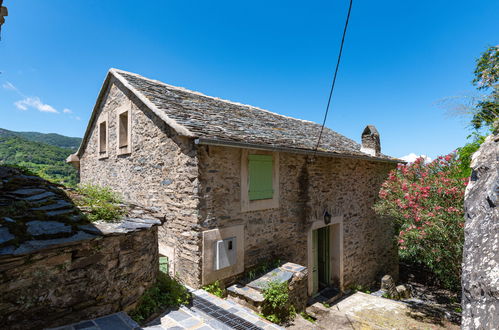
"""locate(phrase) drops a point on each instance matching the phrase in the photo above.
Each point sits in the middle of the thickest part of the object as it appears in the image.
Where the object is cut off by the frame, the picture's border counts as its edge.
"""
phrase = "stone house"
(238, 184)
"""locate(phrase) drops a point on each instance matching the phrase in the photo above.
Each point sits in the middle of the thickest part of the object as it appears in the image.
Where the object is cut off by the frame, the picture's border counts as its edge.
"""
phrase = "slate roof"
(35, 214)
(197, 115)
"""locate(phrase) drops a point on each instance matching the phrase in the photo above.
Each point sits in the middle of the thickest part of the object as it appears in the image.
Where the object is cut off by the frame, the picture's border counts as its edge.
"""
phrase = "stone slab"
(38, 228)
(5, 235)
(39, 196)
(59, 212)
(246, 292)
(54, 206)
(116, 321)
(276, 274)
(28, 191)
(34, 245)
(144, 221)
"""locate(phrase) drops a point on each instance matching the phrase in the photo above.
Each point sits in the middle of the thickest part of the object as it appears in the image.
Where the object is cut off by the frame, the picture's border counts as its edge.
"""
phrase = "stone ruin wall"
(346, 187)
(480, 277)
(78, 280)
(160, 172)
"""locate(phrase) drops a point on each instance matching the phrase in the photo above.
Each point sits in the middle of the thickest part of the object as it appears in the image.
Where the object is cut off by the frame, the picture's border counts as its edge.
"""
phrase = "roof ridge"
(208, 96)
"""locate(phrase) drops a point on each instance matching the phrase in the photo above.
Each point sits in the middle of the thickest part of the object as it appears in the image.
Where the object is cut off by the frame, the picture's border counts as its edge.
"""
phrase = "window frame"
(128, 148)
(258, 204)
(104, 119)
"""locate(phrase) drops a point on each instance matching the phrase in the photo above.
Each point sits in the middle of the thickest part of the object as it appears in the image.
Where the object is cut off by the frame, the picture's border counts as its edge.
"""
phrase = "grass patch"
(262, 268)
(167, 292)
(215, 289)
(99, 203)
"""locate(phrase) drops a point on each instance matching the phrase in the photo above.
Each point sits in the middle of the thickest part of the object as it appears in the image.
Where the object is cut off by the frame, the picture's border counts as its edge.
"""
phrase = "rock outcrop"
(480, 278)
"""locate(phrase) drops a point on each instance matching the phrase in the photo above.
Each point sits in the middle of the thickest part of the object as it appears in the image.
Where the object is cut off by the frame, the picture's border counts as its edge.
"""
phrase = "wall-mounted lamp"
(327, 217)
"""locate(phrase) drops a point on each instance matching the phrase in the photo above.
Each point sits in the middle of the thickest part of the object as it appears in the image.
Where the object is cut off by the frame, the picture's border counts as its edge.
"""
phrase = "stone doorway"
(325, 255)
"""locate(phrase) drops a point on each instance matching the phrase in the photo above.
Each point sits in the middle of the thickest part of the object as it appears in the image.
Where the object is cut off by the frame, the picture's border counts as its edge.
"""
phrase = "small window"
(103, 137)
(260, 170)
(123, 130)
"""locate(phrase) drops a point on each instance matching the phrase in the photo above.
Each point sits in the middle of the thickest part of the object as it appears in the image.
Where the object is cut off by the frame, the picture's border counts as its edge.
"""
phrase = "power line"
(335, 74)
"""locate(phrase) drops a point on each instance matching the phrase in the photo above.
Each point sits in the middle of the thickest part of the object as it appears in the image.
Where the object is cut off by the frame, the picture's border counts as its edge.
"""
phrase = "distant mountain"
(47, 138)
(46, 159)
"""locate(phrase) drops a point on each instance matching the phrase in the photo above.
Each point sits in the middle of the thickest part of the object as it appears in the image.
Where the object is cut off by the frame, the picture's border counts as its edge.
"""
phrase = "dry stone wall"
(160, 172)
(76, 280)
(344, 187)
(480, 277)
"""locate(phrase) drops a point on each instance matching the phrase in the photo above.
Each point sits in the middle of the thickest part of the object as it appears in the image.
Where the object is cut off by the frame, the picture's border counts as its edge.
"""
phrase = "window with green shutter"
(260, 177)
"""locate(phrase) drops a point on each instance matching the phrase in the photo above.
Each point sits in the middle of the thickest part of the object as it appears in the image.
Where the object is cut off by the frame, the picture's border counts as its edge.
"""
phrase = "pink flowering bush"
(426, 203)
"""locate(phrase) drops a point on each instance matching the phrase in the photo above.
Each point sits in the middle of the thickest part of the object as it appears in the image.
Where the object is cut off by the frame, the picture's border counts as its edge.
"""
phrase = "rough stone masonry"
(480, 278)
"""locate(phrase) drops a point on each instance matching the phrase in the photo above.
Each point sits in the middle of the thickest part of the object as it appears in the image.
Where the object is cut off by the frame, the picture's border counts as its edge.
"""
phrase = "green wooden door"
(323, 256)
(315, 268)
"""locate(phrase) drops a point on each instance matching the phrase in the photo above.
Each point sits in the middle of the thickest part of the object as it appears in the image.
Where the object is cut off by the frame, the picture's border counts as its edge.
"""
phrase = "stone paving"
(210, 312)
(117, 321)
(207, 312)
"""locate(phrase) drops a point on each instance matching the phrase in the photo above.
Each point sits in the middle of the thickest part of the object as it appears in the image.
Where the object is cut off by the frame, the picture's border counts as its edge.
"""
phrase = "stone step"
(246, 296)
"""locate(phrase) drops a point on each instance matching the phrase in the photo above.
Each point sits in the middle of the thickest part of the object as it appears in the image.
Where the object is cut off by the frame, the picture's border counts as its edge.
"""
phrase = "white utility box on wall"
(225, 253)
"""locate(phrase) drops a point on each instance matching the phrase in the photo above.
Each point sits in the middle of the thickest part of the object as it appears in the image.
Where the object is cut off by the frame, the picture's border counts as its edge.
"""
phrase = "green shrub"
(101, 201)
(466, 152)
(167, 292)
(215, 289)
(276, 306)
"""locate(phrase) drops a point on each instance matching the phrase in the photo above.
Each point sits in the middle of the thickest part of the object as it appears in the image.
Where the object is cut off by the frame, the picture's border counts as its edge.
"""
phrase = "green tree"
(486, 79)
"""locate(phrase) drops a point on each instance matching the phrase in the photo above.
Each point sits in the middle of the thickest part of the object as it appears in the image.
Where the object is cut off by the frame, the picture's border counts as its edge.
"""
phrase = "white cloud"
(34, 102)
(77, 118)
(66, 110)
(410, 158)
(9, 86)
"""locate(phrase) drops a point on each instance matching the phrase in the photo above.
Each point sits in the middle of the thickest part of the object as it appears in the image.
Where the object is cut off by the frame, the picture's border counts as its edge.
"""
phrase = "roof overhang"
(235, 144)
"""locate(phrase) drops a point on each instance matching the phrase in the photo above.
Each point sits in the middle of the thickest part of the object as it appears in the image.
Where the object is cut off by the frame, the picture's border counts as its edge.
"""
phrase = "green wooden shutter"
(260, 177)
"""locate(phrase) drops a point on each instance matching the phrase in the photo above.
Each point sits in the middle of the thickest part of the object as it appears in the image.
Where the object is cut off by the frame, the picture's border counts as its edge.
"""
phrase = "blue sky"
(401, 58)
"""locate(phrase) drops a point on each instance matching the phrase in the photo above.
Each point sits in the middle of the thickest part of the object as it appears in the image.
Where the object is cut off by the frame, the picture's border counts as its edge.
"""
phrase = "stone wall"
(76, 280)
(480, 277)
(344, 187)
(160, 171)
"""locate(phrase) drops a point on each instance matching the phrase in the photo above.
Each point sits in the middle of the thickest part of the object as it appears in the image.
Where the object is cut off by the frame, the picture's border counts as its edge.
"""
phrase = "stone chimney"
(370, 141)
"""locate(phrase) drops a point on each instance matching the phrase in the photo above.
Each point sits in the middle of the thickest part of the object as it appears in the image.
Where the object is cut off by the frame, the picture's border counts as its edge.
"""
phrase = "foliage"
(167, 292)
(215, 289)
(276, 306)
(101, 202)
(52, 139)
(426, 203)
(307, 317)
(359, 288)
(487, 78)
(487, 68)
(47, 161)
(466, 152)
